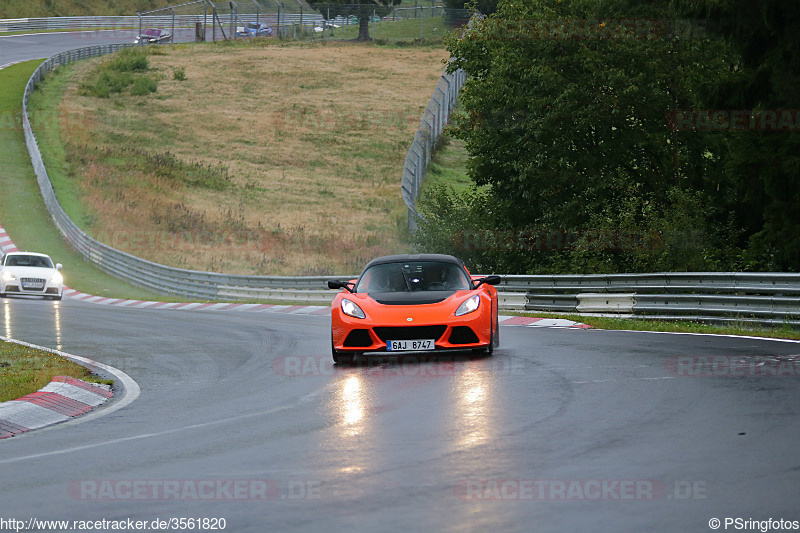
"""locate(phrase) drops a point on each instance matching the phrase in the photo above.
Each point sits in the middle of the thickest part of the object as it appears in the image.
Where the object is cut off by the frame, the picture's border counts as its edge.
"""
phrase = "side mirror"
(336, 284)
(59, 266)
(491, 280)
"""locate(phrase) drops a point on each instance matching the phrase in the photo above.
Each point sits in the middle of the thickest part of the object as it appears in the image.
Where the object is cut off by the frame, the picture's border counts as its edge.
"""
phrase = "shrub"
(144, 85)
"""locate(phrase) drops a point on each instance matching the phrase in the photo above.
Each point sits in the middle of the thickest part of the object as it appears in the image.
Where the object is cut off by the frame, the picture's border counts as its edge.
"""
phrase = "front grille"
(33, 284)
(358, 338)
(463, 335)
(409, 333)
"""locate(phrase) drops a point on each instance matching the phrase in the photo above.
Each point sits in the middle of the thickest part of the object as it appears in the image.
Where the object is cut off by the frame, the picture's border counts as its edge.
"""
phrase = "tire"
(487, 350)
(341, 358)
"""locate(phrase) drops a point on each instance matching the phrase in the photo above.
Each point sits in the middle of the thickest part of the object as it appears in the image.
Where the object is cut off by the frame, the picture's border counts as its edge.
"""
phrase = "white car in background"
(31, 274)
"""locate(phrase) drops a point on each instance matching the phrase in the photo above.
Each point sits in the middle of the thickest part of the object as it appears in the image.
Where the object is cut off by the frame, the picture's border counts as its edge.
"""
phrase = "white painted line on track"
(776, 339)
(130, 389)
(237, 418)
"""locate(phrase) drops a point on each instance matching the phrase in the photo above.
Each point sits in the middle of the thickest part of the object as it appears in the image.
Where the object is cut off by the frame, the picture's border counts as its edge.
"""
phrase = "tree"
(487, 7)
(765, 166)
(363, 10)
(564, 116)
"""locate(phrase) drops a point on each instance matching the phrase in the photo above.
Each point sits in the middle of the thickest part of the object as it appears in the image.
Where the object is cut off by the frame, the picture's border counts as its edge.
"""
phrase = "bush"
(127, 68)
(130, 60)
(144, 85)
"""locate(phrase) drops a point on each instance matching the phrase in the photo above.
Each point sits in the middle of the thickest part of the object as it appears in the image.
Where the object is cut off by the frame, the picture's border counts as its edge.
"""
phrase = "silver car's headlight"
(56, 278)
(8, 276)
(469, 305)
(350, 308)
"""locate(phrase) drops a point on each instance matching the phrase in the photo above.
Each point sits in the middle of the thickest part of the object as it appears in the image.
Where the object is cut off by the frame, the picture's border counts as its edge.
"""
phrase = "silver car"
(29, 273)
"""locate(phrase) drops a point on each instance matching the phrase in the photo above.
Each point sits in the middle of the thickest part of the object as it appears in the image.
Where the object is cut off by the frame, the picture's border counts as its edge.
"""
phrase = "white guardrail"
(434, 119)
(148, 21)
(768, 298)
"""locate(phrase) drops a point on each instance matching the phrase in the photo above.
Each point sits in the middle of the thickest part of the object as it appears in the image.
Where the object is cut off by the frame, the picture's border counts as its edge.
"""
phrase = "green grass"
(24, 370)
(448, 167)
(405, 31)
(22, 210)
(784, 331)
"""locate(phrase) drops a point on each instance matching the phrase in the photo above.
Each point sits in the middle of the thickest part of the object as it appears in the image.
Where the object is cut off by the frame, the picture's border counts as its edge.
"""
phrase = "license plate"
(411, 346)
(33, 285)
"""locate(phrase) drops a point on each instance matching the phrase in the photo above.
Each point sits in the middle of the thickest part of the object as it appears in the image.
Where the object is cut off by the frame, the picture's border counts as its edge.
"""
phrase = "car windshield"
(413, 276)
(28, 261)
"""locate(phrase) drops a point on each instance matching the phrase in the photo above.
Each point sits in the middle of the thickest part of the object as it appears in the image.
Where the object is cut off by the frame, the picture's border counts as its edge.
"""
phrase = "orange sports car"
(414, 303)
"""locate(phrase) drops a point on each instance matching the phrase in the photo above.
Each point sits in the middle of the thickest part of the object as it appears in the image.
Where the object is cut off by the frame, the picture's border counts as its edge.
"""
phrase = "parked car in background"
(153, 35)
(28, 273)
(254, 29)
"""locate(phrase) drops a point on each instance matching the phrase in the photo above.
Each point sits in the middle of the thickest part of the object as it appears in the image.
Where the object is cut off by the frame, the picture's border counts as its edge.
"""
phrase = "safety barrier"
(725, 296)
(434, 119)
(746, 297)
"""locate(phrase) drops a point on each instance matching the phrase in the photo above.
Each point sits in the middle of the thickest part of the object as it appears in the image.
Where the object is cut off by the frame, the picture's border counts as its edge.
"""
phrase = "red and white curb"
(221, 306)
(540, 322)
(13, 62)
(63, 398)
(6, 245)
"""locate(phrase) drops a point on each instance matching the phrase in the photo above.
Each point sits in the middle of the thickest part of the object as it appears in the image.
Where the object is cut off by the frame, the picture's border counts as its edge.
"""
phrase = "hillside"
(251, 158)
(68, 8)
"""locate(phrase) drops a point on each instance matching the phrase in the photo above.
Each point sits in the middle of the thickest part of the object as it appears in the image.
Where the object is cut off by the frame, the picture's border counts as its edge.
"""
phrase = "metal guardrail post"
(764, 298)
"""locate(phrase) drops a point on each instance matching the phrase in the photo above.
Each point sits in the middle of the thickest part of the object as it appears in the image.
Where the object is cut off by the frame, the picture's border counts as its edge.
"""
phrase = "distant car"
(326, 26)
(414, 303)
(253, 29)
(32, 274)
(152, 35)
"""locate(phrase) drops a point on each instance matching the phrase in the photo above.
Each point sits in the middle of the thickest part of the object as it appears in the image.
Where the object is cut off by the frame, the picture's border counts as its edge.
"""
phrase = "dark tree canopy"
(568, 117)
(363, 10)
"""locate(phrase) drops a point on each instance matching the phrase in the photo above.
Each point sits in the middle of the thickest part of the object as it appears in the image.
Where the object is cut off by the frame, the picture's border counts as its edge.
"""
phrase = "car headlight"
(350, 308)
(469, 305)
(56, 278)
(8, 276)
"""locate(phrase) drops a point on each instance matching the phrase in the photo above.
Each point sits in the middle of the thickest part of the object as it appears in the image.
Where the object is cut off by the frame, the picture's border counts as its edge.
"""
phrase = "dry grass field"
(261, 159)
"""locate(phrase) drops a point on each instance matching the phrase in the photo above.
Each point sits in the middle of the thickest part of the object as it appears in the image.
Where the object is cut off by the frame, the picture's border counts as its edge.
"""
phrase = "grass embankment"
(448, 168)
(24, 370)
(401, 31)
(72, 8)
(785, 331)
(22, 211)
(249, 158)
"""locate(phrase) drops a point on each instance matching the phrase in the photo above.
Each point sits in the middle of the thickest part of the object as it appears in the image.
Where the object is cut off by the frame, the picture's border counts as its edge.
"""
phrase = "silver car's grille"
(33, 284)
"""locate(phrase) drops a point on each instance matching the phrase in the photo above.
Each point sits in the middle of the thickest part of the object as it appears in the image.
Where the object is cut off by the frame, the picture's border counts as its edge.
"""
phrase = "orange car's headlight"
(469, 305)
(350, 308)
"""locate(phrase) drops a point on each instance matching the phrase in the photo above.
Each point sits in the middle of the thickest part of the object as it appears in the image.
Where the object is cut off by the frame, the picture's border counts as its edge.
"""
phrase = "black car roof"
(442, 258)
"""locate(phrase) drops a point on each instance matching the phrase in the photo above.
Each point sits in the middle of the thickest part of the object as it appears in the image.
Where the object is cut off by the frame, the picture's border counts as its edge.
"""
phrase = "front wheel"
(489, 349)
(341, 358)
